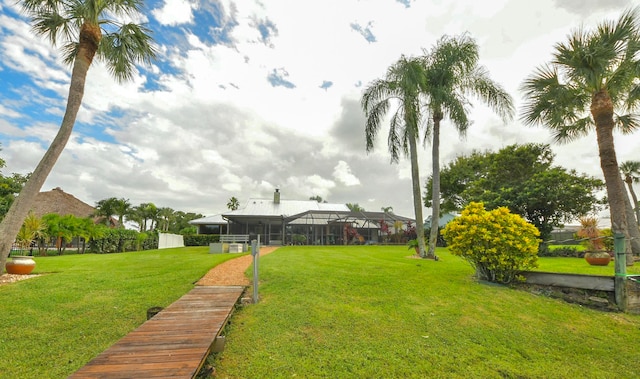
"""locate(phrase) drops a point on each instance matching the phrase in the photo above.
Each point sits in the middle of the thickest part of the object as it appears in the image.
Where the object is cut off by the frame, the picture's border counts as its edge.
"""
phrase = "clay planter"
(20, 264)
(598, 258)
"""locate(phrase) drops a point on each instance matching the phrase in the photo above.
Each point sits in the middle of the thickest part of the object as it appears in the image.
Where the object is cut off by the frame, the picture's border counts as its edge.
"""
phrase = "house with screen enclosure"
(308, 222)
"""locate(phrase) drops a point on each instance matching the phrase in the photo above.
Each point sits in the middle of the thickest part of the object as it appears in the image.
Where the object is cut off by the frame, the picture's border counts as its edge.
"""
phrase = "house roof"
(209, 220)
(285, 208)
(60, 202)
(359, 218)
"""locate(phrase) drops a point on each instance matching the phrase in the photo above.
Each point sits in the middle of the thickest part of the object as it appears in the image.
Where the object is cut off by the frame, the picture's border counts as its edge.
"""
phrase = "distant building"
(280, 221)
(62, 203)
(444, 219)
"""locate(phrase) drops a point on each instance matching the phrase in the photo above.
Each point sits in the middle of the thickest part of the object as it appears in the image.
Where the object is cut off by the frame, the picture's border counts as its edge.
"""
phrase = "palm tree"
(400, 88)
(451, 73)
(233, 203)
(165, 217)
(86, 29)
(386, 209)
(631, 172)
(590, 83)
(105, 209)
(354, 207)
(121, 208)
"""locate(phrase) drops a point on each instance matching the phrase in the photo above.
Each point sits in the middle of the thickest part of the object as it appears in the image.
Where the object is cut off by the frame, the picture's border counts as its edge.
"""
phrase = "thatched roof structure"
(62, 203)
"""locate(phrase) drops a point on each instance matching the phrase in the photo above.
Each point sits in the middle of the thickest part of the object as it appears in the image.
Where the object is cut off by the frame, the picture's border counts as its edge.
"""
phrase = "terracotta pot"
(598, 258)
(20, 264)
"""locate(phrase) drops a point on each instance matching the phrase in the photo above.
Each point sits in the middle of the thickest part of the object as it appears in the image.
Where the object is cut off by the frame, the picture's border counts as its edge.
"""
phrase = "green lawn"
(326, 312)
(371, 312)
(85, 303)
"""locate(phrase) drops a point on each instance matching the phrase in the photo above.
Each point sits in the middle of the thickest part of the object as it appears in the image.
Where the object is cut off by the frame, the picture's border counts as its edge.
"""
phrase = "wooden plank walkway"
(172, 344)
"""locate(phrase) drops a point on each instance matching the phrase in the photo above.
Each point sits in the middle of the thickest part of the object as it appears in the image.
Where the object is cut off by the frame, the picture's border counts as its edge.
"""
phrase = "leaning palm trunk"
(634, 206)
(602, 112)
(435, 189)
(632, 248)
(417, 197)
(10, 225)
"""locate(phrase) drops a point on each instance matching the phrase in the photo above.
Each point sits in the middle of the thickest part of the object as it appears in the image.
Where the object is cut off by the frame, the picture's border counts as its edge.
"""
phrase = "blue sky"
(249, 96)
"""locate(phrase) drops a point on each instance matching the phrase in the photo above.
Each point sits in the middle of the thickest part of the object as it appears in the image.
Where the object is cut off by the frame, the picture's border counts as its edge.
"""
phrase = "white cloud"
(342, 173)
(174, 12)
(205, 124)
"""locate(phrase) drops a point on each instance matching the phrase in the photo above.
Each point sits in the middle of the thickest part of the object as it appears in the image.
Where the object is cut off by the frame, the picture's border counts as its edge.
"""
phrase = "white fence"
(167, 240)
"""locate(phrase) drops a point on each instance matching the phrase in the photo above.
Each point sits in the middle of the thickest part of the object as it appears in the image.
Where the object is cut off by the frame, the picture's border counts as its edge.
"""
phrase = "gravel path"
(231, 272)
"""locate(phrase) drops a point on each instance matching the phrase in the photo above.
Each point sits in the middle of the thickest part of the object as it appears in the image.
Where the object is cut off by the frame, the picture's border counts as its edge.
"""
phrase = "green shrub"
(497, 243)
(608, 239)
(201, 239)
(562, 251)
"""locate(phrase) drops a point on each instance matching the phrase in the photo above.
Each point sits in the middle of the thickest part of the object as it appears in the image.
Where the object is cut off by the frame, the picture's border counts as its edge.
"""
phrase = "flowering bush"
(497, 243)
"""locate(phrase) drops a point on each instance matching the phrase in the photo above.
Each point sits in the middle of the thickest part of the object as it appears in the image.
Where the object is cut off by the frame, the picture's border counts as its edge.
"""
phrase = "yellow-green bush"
(497, 243)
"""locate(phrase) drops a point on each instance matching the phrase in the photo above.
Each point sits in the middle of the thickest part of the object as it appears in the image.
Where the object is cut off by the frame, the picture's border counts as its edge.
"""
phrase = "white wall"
(167, 240)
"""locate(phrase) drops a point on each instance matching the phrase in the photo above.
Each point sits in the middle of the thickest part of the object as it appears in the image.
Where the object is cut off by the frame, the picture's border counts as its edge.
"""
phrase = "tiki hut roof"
(62, 203)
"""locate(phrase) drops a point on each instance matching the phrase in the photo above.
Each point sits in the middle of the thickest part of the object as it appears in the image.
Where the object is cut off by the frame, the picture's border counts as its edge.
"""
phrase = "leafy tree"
(400, 88)
(631, 172)
(233, 203)
(523, 179)
(180, 224)
(592, 83)
(451, 74)
(318, 198)
(354, 207)
(86, 29)
(10, 186)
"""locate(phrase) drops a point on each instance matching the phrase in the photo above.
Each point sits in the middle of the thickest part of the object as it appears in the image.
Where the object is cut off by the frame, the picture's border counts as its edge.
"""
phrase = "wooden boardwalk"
(172, 344)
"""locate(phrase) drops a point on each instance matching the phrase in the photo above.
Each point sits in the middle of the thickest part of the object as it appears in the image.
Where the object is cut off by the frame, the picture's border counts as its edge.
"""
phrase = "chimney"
(276, 196)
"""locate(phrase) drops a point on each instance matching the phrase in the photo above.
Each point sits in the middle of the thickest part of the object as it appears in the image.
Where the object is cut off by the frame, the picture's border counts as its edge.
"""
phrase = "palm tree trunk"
(634, 232)
(602, 112)
(10, 225)
(435, 189)
(635, 201)
(417, 195)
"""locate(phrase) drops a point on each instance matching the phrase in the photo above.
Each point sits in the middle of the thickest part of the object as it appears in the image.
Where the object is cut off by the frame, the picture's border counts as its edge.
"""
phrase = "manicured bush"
(497, 243)
(561, 251)
(201, 239)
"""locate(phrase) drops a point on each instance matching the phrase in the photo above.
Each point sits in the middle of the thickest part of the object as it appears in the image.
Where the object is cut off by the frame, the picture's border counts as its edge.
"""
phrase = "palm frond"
(491, 93)
(571, 131)
(374, 117)
(628, 123)
(121, 50)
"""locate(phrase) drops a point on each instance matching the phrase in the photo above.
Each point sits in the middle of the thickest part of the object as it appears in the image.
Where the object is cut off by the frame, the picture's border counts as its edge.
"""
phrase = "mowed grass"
(82, 304)
(372, 312)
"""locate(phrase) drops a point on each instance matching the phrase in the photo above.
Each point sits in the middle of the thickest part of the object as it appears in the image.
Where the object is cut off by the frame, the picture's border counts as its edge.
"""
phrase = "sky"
(249, 96)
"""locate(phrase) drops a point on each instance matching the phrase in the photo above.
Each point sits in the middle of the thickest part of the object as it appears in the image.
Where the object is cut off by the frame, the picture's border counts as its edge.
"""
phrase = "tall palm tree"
(451, 74)
(354, 207)
(105, 209)
(233, 203)
(121, 208)
(631, 172)
(86, 29)
(591, 83)
(401, 89)
(165, 216)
